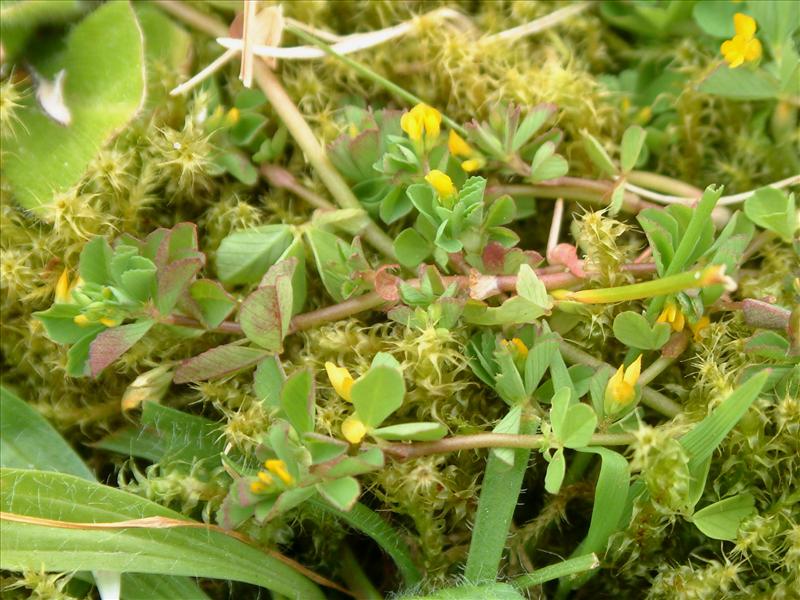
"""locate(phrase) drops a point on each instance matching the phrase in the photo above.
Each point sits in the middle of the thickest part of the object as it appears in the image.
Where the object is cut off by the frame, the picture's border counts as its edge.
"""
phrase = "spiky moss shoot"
(664, 466)
(36, 585)
(184, 161)
(11, 95)
(772, 276)
(78, 216)
(178, 486)
(230, 213)
(689, 582)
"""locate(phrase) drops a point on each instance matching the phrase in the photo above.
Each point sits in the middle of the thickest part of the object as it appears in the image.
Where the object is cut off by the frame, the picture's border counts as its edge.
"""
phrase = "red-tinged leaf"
(174, 279)
(217, 362)
(493, 257)
(209, 302)
(112, 343)
(386, 284)
(566, 255)
(265, 314)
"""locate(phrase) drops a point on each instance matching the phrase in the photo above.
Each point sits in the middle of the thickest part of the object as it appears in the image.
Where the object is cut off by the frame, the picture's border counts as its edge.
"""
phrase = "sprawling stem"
(590, 191)
(401, 451)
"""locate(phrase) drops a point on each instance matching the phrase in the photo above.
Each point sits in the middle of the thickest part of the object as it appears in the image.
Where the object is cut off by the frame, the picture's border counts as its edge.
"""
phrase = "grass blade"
(571, 566)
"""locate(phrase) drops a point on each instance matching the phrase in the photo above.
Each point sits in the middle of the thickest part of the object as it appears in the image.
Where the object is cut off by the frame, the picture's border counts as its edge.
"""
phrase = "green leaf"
(721, 520)
(265, 314)
(371, 524)
(546, 164)
(508, 381)
(701, 441)
(774, 210)
(414, 432)
(377, 394)
(579, 425)
(499, 495)
(411, 248)
(501, 211)
(211, 302)
(112, 343)
(532, 122)
(554, 476)
(632, 143)
(715, 17)
(598, 155)
(188, 551)
(777, 20)
(28, 441)
(217, 362)
(341, 493)
(329, 254)
(95, 261)
(633, 330)
(268, 381)
(530, 287)
(244, 256)
(297, 401)
(741, 84)
(488, 591)
(59, 323)
(579, 564)
(78, 356)
(103, 89)
(174, 279)
(538, 361)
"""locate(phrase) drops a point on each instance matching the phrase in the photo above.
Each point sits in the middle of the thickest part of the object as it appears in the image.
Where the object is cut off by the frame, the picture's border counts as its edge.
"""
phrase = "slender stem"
(662, 183)
(538, 25)
(281, 178)
(555, 225)
(370, 74)
(594, 192)
(196, 19)
(655, 400)
(316, 155)
(401, 451)
(669, 354)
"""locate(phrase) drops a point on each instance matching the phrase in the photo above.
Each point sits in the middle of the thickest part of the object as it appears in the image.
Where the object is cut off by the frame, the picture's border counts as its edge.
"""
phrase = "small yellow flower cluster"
(518, 350)
(266, 479)
(420, 122)
(63, 295)
(621, 388)
(441, 183)
(742, 47)
(458, 146)
(353, 429)
(674, 317)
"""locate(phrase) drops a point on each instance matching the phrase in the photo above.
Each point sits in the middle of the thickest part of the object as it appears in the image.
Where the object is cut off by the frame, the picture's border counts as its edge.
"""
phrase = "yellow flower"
(257, 487)
(672, 315)
(81, 320)
(265, 478)
(278, 467)
(516, 346)
(441, 183)
(109, 322)
(341, 380)
(353, 429)
(473, 164)
(697, 329)
(62, 287)
(742, 47)
(421, 120)
(457, 145)
(621, 388)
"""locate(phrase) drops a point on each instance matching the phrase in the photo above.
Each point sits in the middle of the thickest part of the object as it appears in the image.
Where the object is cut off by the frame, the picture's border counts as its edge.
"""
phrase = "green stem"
(370, 74)
(402, 451)
(673, 284)
(571, 566)
(655, 400)
(316, 155)
(597, 193)
(355, 578)
(662, 183)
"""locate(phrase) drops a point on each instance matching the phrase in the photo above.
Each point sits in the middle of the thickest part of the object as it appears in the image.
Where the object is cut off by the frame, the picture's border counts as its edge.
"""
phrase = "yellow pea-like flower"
(457, 145)
(257, 487)
(278, 467)
(81, 320)
(353, 429)
(517, 346)
(742, 47)
(698, 328)
(621, 388)
(62, 288)
(441, 183)
(473, 164)
(673, 316)
(340, 379)
(422, 121)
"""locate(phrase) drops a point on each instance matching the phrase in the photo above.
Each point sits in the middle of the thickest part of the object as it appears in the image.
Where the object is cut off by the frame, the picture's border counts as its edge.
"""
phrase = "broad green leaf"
(95, 261)
(244, 256)
(715, 17)
(78, 356)
(777, 20)
(501, 212)
(532, 122)
(341, 493)
(218, 362)
(598, 155)
(414, 432)
(537, 362)
(212, 303)
(579, 425)
(632, 143)
(112, 343)
(371, 524)
(28, 441)
(377, 394)
(773, 210)
(329, 254)
(741, 84)
(559, 405)
(266, 313)
(721, 520)
(174, 278)
(633, 330)
(530, 287)
(103, 89)
(508, 381)
(59, 323)
(189, 551)
(297, 401)
(411, 248)
(554, 476)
